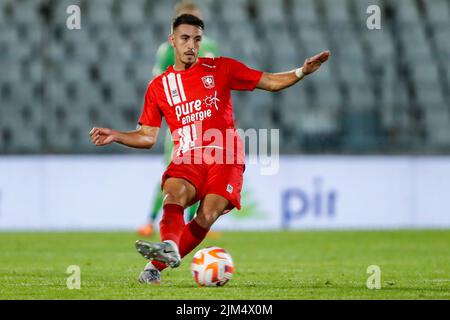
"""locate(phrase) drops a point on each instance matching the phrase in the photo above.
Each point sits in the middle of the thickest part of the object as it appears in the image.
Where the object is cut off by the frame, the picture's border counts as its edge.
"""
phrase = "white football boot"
(150, 275)
(165, 252)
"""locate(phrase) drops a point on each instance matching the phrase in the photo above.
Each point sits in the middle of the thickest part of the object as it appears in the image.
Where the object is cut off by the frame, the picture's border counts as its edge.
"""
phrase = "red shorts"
(222, 179)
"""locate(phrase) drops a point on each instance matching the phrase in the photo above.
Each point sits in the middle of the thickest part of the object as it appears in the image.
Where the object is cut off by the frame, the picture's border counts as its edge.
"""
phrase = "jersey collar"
(171, 69)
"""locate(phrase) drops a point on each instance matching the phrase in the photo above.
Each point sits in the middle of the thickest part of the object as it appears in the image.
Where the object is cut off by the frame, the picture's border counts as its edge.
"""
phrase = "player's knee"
(179, 198)
(175, 192)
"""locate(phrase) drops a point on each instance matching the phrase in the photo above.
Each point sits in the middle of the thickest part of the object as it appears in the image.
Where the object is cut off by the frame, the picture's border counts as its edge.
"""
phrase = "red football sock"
(159, 265)
(172, 223)
(192, 236)
(170, 228)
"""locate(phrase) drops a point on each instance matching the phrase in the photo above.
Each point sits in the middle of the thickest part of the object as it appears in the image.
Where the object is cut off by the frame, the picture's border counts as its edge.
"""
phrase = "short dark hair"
(188, 19)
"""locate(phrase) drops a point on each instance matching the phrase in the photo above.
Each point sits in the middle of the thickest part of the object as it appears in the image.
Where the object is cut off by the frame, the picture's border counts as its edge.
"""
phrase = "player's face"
(186, 40)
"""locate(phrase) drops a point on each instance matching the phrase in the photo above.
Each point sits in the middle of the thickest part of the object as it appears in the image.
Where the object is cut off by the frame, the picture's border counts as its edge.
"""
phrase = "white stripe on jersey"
(173, 89)
(180, 86)
(166, 90)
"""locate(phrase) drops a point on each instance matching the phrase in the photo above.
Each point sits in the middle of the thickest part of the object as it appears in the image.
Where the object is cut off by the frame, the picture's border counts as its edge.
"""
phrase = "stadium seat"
(110, 71)
(305, 12)
(406, 12)
(380, 44)
(124, 95)
(328, 97)
(290, 115)
(143, 72)
(312, 39)
(437, 11)
(387, 94)
(350, 47)
(100, 12)
(74, 44)
(215, 31)
(10, 72)
(336, 12)
(270, 11)
(446, 71)
(3, 17)
(402, 98)
(360, 98)
(29, 34)
(353, 74)
(415, 44)
(361, 130)
(132, 12)
(375, 83)
(162, 11)
(425, 73)
(318, 122)
(234, 11)
(74, 72)
(27, 12)
(294, 101)
(244, 45)
(437, 126)
(9, 42)
(284, 55)
(429, 95)
(19, 116)
(440, 36)
(145, 44)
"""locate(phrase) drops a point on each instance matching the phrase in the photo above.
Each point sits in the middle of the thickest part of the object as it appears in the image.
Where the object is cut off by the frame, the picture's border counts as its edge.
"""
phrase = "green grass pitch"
(269, 265)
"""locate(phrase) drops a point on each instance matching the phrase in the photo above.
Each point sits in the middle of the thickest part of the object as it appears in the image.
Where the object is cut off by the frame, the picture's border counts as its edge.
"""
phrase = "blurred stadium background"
(384, 92)
(364, 144)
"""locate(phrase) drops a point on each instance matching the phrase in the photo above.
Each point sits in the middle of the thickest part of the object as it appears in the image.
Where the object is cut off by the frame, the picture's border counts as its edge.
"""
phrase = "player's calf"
(211, 208)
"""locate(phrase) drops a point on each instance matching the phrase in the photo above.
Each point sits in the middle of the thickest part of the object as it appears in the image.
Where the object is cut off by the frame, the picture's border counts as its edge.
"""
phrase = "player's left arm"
(278, 81)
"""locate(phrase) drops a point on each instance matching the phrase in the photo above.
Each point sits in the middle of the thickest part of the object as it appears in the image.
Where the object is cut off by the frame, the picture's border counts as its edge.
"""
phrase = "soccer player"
(165, 57)
(194, 97)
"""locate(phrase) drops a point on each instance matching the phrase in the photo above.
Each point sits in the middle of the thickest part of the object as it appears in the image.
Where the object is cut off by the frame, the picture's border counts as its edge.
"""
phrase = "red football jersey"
(197, 106)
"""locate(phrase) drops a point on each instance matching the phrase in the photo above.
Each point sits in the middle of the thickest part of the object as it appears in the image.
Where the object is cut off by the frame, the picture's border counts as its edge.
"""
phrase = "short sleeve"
(151, 115)
(242, 77)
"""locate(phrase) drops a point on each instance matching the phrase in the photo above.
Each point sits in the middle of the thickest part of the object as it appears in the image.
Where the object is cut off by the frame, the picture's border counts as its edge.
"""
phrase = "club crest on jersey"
(208, 82)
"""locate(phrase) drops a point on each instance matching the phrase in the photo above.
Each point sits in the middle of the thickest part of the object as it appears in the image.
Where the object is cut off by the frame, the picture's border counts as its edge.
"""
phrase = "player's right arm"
(144, 137)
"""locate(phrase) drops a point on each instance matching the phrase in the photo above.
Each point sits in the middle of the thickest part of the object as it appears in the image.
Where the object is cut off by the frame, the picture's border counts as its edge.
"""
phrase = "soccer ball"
(212, 267)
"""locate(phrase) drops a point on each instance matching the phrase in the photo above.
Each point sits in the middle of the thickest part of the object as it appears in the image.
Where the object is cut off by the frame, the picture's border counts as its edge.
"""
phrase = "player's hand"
(314, 63)
(101, 136)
